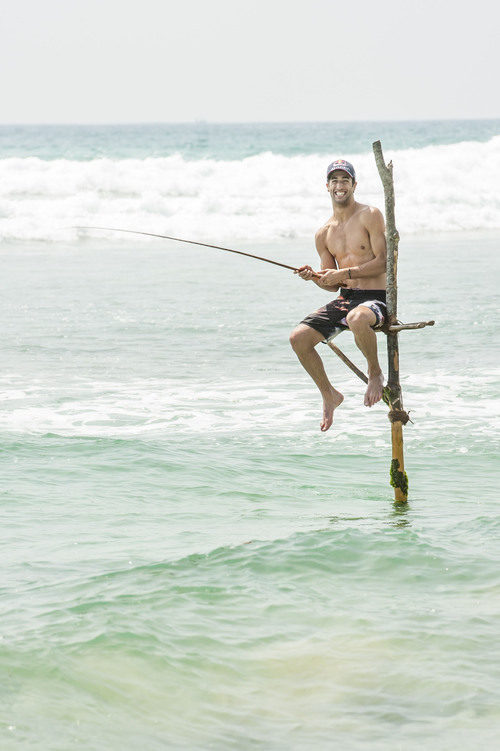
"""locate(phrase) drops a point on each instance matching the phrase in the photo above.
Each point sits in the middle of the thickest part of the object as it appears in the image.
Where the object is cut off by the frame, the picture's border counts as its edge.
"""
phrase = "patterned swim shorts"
(333, 316)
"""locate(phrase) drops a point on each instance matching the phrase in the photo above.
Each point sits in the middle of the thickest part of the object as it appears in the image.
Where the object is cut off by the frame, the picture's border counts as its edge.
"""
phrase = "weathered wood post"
(397, 415)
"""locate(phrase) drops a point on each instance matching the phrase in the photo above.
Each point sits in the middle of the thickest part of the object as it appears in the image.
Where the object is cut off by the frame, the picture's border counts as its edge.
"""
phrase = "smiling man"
(352, 249)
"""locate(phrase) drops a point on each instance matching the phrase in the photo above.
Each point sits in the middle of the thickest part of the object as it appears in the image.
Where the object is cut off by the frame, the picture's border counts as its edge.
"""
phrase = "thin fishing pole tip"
(192, 242)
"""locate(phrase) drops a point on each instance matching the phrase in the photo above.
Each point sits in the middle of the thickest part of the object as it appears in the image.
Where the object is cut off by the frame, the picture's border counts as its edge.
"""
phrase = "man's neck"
(343, 213)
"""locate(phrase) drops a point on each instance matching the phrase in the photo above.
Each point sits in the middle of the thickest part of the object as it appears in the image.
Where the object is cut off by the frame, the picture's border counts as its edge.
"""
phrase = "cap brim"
(339, 169)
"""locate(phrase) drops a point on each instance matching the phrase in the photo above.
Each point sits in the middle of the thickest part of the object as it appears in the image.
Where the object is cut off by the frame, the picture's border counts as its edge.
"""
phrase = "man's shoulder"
(323, 230)
(366, 208)
(370, 214)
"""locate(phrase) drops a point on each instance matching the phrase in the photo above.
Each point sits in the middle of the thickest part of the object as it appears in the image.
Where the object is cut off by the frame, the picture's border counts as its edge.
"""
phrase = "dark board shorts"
(333, 316)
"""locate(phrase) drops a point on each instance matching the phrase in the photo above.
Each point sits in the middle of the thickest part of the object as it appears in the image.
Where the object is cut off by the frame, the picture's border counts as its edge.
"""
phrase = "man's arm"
(373, 222)
(328, 261)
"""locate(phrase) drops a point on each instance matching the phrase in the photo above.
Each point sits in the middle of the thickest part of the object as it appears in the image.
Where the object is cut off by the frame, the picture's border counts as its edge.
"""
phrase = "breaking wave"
(268, 196)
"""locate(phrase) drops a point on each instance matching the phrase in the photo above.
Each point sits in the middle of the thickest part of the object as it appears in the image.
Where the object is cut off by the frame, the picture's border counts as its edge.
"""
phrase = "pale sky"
(98, 61)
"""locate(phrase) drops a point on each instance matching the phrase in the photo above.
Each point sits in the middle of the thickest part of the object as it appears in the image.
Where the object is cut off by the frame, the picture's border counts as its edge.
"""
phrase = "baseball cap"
(343, 165)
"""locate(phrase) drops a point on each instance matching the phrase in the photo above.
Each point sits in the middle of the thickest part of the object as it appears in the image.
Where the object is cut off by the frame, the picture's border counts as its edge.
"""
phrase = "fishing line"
(194, 242)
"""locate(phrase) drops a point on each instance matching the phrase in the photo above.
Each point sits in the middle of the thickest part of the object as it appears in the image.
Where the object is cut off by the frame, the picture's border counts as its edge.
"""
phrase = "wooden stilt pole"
(397, 415)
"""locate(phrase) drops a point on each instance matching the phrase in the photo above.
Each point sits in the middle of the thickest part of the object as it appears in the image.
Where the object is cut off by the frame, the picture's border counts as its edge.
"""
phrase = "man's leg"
(360, 320)
(304, 340)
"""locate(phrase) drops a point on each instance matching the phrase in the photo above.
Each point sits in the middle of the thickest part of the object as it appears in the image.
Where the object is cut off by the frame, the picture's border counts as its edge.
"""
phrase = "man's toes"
(326, 423)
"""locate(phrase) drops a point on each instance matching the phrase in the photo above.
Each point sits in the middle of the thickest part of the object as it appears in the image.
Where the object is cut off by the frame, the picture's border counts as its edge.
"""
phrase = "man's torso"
(349, 244)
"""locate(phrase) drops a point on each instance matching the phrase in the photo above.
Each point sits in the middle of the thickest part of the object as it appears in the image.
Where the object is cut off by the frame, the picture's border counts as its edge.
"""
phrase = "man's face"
(340, 186)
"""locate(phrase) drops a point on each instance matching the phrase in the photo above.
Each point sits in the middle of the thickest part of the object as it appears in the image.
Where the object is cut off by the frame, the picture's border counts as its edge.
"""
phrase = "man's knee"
(303, 337)
(296, 338)
(361, 318)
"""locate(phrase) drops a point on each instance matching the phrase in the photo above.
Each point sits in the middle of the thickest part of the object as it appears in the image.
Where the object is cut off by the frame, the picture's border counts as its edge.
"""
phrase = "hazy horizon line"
(203, 121)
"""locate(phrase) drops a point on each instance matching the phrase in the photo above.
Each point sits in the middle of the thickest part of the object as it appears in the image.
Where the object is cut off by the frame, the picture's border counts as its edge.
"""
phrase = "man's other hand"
(331, 278)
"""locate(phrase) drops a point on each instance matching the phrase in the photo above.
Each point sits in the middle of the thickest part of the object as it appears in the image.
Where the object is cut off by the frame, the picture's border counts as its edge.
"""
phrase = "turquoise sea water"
(204, 140)
(187, 561)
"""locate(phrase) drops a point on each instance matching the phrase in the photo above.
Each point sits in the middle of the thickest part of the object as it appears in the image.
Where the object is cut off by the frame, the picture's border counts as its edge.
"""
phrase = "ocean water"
(262, 183)
(188, 562)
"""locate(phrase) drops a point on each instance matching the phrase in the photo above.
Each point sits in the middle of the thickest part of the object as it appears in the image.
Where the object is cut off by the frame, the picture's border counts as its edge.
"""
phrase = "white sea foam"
(438, 188)
(157, 408)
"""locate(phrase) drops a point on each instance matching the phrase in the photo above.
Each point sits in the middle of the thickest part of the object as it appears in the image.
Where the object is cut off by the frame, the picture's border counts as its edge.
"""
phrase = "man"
(352, 249)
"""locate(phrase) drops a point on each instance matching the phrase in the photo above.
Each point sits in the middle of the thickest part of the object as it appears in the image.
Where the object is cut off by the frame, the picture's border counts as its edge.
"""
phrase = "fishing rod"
(194, 242)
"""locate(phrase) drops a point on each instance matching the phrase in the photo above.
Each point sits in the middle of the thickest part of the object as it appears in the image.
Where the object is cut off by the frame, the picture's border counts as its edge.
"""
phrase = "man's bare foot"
(330, 403)
(374, 390)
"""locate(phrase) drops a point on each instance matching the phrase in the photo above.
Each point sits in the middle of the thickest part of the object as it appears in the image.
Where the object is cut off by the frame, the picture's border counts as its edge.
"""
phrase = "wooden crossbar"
(385, 329)
(406, 326)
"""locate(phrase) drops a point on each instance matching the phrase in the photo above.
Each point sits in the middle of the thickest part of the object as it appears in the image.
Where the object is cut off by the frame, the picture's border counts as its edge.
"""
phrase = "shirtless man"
(352, 249)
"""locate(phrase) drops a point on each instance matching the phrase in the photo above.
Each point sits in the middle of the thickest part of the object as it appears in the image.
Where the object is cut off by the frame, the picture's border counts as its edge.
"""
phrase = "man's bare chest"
(348, 240)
